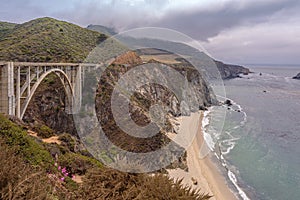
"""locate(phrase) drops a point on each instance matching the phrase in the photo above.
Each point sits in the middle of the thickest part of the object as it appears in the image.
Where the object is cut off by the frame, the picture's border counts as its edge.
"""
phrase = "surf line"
(215, 146)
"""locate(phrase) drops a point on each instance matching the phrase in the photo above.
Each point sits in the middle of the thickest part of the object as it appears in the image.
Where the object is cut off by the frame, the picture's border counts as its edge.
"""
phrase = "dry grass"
(112, 184)
(164, 58)
(19, 180)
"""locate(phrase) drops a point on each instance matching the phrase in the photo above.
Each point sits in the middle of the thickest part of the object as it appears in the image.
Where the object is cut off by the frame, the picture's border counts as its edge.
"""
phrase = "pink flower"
(62, 179)
(73, 177)
(64, 170)
(59, 167)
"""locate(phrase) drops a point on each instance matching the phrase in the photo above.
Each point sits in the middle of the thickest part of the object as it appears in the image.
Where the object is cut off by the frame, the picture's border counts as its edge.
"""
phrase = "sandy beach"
(203, 170)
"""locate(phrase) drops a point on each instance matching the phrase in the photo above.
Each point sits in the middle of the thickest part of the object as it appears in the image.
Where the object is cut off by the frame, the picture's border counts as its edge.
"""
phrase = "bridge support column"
(7, 89)
(18, 94)
(77, 90)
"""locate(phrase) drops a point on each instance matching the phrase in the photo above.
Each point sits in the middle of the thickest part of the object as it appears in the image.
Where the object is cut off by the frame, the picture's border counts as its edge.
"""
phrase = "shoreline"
(208, 176)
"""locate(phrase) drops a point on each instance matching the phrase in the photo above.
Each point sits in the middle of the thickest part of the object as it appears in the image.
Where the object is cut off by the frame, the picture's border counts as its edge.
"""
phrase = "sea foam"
(230, 143)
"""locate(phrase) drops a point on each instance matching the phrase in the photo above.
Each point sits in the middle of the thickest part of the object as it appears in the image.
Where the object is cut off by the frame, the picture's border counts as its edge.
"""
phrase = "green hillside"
(46, 40)
(6, 28)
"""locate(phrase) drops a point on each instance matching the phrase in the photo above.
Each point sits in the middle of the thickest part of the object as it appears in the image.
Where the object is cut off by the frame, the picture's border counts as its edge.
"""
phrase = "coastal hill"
(228, 71)
(297, 76)
(6, 28)
(46, 40)
(102, 29)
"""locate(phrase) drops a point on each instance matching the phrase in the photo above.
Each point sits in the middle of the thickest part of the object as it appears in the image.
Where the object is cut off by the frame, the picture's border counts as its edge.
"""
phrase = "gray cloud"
(202, 24)
(19, 11)
(198, 22)
(220, 22)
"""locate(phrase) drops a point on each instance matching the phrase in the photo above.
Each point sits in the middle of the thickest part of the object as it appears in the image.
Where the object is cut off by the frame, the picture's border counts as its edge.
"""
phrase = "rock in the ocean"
(228, 102)
(297, 76)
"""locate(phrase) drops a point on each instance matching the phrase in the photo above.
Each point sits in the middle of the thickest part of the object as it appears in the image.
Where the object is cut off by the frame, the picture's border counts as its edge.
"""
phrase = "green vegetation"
(27, 171)
(44, 131)
(32, 151)
(112, 184)
(6, 28)
(46, 40)
(78, 164)
(68, 141)
(20, 180)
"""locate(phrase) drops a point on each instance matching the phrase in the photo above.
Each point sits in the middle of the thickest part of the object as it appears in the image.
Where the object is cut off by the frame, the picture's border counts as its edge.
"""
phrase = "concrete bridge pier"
(7, 93)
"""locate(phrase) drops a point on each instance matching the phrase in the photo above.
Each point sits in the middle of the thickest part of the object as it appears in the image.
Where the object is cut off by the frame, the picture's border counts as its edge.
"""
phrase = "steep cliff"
(231, 71)
(147, 96)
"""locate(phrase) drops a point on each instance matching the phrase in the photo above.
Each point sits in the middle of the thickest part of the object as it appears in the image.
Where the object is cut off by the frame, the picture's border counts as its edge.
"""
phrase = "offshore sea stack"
(297, 76)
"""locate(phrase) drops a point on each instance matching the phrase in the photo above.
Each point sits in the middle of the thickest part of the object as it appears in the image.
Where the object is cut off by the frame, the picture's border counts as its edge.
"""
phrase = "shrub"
(68, 141)
(44, 131)
(112, 184)
(32, 151)
(19, 180)
(78, 164)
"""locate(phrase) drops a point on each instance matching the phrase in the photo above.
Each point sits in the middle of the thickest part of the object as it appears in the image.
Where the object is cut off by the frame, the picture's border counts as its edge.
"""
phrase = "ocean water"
(257, 140)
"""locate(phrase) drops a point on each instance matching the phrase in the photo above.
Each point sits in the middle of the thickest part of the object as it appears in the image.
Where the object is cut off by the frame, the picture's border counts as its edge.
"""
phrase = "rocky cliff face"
(48, 107)
(297, 76)
(148, 95)
(231, 71)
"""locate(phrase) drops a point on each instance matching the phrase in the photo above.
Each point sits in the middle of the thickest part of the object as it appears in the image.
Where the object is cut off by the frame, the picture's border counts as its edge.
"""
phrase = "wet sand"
(201, 168)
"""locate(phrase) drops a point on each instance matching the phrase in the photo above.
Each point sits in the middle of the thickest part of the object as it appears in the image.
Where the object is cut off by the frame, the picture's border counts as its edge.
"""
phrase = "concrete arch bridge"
(19, 81)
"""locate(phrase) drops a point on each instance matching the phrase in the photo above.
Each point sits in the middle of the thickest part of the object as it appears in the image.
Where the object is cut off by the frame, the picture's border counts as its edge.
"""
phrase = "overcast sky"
(235, 31)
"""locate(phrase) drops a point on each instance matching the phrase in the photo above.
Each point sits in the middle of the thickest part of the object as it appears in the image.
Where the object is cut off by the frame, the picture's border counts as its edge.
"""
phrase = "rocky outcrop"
(48, 107)
(231, 71)
(297, 76)
(128, 58)
(167, 93)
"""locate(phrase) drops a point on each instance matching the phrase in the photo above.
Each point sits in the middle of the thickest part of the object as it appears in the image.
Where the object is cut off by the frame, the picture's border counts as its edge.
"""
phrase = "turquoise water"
(260, 138)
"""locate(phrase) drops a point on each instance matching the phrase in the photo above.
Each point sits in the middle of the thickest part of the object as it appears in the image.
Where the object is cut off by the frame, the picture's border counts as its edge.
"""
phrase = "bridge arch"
(69, 90)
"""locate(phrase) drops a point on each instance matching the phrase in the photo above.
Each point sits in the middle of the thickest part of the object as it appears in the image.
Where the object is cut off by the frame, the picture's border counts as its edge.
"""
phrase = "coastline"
(209, 178)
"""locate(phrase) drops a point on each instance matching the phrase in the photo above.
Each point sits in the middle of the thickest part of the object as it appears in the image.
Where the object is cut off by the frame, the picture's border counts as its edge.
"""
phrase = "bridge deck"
(37, 64)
